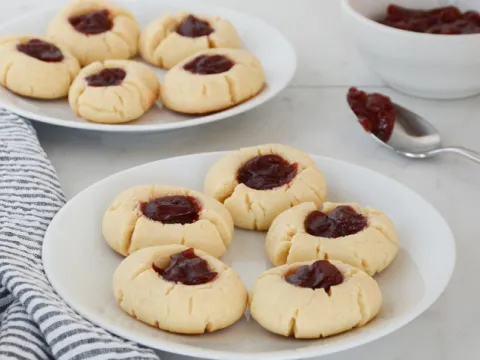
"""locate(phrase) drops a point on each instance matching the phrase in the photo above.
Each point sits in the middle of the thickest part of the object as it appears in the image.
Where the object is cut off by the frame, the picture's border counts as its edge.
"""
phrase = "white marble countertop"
(312, 115)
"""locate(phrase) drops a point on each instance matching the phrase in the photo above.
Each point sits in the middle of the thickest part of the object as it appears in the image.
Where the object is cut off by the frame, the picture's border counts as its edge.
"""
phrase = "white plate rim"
(299, 353)
(131, 127)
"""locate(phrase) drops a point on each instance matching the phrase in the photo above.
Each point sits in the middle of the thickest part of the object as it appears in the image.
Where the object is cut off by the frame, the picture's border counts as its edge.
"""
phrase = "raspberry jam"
(187, 268)
(193, 27)
(447, 20)
(320, 275)
(209, 64)
(41, 50)
(106, 77)
(375, 112)
(93, 23)
(266, 172)
(176, 209)
(342, 221)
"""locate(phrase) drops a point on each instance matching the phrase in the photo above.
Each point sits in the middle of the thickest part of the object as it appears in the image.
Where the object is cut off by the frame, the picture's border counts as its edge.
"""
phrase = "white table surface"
(312, 115)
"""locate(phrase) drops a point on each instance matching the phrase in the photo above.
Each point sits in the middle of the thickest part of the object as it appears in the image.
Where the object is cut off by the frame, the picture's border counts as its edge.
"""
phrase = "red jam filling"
(447, 20)
(193, 27)
(41, 50)
(342, 221)
(187, 268)
(106, 77)
(93, 23)
(320, 275)
(209, 64)
(175, 209)
(375, 112)
(266, 172)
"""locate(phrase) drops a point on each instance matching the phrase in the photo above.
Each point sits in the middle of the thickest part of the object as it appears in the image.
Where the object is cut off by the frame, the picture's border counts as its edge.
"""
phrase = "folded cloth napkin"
(35, 323)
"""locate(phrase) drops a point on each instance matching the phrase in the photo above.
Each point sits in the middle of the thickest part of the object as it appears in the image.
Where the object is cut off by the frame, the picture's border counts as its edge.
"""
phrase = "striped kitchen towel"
(34, 321)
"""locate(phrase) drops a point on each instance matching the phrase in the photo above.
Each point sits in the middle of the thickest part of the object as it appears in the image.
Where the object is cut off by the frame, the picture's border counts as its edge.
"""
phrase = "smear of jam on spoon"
(375, 112)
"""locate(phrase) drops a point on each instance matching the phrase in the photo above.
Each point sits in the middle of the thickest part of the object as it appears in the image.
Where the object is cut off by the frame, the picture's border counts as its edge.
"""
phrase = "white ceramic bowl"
(424, 65)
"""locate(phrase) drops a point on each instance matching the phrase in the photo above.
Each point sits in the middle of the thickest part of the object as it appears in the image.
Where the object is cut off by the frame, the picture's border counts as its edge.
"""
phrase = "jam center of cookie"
(321, 274)
(375, 112)
(342, 221)
(41, 50)
(266, 172)
(209, 64)
(193, 27)
(106, 77)
(176, 209)
(187, 268)
(93, 23)
(447, 20)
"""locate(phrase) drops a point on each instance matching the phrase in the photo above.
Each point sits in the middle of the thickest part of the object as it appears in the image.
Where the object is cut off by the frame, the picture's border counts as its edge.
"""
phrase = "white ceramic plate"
(274, 51)
(80, 265)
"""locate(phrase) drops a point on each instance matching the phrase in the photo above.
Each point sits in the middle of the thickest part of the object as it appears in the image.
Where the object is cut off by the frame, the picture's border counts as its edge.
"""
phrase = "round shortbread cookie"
(172, 38)
(368, 241)
(142, 291)
(153, 215)
(95, 30)
(212, 80)
(36, 67)
(258, 183)
(314, 312)
(115, 91)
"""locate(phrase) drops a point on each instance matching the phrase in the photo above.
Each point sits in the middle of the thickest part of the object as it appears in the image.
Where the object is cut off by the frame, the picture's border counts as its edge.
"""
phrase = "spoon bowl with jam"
(399, 128)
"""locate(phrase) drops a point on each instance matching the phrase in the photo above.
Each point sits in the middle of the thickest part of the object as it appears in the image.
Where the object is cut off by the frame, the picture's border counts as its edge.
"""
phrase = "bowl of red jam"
(419, 47)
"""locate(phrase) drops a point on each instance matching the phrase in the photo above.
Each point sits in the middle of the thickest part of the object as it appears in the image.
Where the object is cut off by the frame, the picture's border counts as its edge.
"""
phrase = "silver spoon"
(415, 137)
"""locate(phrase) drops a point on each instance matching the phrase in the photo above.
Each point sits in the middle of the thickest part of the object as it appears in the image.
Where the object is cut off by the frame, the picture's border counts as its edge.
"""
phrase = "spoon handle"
(470, 154)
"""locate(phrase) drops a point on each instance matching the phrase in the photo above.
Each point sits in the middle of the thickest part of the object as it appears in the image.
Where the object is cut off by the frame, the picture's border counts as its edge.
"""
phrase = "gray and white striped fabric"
(34, 321)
